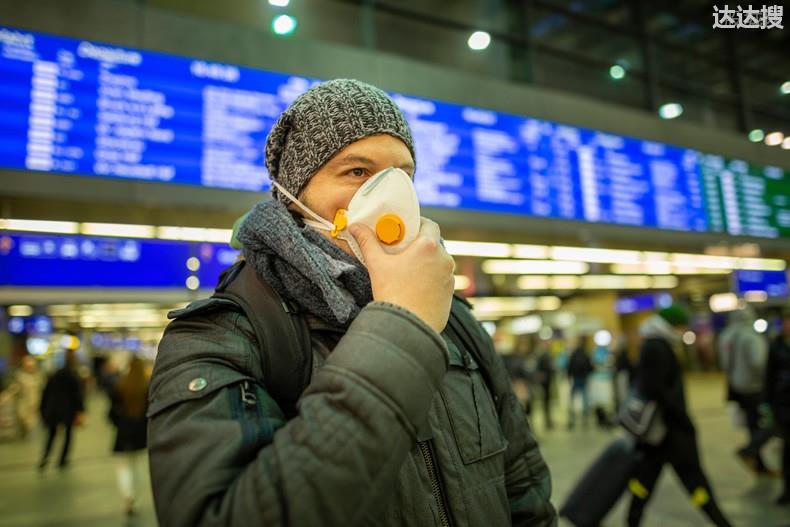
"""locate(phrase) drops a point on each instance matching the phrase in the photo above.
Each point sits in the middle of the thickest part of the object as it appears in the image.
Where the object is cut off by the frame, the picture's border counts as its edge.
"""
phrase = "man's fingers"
(366, 239)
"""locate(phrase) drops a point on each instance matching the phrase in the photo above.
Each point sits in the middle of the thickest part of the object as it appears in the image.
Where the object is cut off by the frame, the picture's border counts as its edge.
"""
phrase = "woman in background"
(128, 415)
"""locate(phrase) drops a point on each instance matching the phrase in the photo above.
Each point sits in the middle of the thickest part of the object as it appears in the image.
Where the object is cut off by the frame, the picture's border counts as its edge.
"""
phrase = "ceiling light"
(761, 264)
(602, 338)
(283, 25)
(479, 40)
(461, 282)
(565, 283)
(59, 227)
(617, 72)
(194, 234)
(670, 110)
(760, 325)
(774, 138)
(534, 267)
(689, 338)
(756, 135)
(530, 251)
(534, 283)
(652, 268)
(20, 311)
(755, 296)
(723, 302)
(122, 230)
(279, 3)
(482, 249)
(665, 282)
(784, 89)
(584, 254)
(525, 325)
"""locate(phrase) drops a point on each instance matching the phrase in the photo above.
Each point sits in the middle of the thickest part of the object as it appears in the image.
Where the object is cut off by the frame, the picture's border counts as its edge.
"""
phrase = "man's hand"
(419, 279)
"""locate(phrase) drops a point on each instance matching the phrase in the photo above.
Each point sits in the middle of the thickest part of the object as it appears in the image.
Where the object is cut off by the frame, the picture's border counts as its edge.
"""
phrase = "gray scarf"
(304, 266)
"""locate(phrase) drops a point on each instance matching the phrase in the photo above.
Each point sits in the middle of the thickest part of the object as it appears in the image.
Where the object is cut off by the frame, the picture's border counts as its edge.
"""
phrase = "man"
(62, 404)
(397, 426)
(777, 389)
(579, 369)
(659, 378)
(743, 354)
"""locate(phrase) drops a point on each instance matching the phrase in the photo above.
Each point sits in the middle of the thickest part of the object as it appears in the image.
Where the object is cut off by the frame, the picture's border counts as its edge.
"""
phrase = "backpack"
(284, 337)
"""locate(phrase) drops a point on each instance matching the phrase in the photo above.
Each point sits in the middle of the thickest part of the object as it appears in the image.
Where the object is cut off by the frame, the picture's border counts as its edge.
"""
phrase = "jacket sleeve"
(217, 461)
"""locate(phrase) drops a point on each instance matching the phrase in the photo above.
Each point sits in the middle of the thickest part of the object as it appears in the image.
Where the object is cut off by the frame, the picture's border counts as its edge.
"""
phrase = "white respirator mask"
(386, 202)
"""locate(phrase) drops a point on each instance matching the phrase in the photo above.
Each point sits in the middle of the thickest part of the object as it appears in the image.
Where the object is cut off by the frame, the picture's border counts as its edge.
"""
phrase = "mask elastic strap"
(327, 224)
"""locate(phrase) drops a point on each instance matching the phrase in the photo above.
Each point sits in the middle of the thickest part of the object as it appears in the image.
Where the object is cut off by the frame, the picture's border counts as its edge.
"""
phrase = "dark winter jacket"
(579, 364)
(396, 428)
(659, 377)
(62, 399)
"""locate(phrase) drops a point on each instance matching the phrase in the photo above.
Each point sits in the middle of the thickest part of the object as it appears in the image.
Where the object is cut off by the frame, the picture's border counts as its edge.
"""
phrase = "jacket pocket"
(188, 382)
(470, 408)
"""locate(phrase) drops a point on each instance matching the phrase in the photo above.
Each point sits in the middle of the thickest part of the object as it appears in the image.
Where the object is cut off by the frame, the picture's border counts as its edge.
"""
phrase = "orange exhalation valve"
(340, 222)
(390, 229)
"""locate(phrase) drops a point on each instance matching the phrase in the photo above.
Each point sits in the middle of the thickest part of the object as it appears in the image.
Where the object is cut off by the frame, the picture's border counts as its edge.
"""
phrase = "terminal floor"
(86, 495)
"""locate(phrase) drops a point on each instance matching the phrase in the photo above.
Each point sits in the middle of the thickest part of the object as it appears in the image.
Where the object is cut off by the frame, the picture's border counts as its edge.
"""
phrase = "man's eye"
(358, 172)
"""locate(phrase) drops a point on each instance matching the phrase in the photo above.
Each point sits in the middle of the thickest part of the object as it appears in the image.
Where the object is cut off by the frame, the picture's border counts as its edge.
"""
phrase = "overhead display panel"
(744, 199)
(78, 107)
(53, 260)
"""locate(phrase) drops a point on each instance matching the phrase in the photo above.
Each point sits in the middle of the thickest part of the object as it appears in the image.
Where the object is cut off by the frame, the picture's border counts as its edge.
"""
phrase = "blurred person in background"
(28, 382)
(601, 385)
(659, 378)
(623, 371)
(579, 369)
(62, 404)
(743, 354)
(777, 391)
(544, 375)
(127, 413)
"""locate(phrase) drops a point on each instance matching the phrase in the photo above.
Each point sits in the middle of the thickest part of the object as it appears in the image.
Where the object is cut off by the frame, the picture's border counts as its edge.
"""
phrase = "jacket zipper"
(436, 487)
(248, 396)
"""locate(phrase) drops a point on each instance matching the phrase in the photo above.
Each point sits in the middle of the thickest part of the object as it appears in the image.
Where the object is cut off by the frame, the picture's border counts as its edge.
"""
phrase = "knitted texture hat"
(324, 120)
(675, 315)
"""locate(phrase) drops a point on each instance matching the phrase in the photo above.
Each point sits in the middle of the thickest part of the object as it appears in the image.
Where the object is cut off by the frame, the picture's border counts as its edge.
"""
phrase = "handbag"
(642, 419)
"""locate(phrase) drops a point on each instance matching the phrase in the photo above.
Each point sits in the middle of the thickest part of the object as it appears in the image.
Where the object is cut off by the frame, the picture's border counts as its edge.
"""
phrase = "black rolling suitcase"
(601, 486)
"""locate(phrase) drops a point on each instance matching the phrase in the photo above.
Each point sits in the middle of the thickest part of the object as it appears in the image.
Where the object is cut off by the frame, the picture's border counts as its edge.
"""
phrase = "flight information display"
(746, 199)
(78, 107)
(55, 260)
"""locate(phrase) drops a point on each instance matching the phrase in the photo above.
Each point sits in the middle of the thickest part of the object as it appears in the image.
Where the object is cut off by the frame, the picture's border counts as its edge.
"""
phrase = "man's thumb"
(366, 239)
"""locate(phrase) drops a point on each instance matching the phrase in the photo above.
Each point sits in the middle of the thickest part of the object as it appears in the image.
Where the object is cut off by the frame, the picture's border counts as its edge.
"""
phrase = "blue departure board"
(78, 107)
(54, 260)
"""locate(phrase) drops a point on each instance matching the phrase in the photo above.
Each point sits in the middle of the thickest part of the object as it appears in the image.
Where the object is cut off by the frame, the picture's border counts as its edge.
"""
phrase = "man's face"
(333, 186)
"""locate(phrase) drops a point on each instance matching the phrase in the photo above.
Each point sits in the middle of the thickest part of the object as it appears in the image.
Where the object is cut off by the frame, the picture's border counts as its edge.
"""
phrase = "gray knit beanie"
(324, 120)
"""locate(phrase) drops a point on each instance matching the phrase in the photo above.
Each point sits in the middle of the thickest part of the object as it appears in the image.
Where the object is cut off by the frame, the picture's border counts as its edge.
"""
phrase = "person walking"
(579, 369)
(777, 390)
(28, 383)
(62, 405)
(545, 377)
(659, 378)
(743, 354)
(129, 403)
